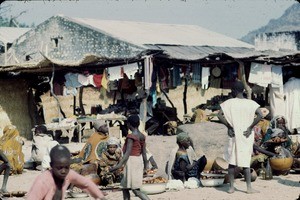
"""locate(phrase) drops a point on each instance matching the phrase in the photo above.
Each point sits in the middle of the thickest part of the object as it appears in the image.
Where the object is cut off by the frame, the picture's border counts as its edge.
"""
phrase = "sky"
(234, 18)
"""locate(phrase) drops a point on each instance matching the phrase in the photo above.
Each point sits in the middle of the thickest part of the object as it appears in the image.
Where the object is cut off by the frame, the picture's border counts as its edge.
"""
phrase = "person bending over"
(52, 184)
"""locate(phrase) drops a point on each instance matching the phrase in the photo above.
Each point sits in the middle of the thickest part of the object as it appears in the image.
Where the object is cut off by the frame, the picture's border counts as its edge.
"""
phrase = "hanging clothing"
(205, 77)
(260, 74)
(97, 78)
(240, 114)
(148, 70)
(277, 79)
(277, 102)
(176, 76)
(292, 102)
(196, 70)
(72, 80)
(104, 81)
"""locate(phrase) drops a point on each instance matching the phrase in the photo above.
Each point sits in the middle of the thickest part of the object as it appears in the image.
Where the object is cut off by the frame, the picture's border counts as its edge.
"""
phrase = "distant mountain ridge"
(289, 21)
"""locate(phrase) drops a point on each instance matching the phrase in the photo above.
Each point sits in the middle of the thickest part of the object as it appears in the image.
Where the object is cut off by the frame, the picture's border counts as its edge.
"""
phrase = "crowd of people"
(253, 139)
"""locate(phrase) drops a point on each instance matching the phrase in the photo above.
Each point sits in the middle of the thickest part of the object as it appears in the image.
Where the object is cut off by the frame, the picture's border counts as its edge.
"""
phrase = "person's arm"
(145, 158)
(3, 157)
(223, 120)
(125, 156)
(86, 185)
(258, 117)
(262, 150)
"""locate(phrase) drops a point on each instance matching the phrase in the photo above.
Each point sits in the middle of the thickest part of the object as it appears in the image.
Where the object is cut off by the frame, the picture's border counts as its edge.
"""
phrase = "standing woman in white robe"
(238, 115)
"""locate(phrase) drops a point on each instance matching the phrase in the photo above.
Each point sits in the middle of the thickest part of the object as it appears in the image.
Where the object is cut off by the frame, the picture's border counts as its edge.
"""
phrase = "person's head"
(237, 88)
(281, 122)
(183, 140)
(133, 122)
(60, 157)
(101, 126)
(112, 144)
(40, 129)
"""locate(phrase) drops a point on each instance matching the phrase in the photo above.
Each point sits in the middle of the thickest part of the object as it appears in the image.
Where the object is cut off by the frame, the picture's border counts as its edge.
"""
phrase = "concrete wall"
(276, 41)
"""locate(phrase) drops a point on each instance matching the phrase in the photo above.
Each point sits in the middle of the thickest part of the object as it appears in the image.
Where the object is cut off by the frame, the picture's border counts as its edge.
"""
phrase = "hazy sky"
(233, 18)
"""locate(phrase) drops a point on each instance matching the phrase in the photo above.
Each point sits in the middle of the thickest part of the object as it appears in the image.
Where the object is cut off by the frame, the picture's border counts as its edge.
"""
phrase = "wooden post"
(80, 101)
(184, 95)
(244, 81)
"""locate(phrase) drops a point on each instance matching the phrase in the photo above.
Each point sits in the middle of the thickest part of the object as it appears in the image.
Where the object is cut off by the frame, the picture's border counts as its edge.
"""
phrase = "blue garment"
(72, 80)
(192, 173)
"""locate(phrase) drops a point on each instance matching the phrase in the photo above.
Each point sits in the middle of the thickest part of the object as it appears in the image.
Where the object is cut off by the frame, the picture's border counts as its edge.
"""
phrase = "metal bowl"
(212, 182)
(153, 188)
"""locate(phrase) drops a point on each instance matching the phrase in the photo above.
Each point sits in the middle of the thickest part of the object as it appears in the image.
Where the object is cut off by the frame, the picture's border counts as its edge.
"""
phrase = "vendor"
(183, 162)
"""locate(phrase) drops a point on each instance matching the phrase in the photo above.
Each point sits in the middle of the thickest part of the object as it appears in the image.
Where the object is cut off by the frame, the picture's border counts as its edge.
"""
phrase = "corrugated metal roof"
(9, 34)
(199, 52)
(141, 33)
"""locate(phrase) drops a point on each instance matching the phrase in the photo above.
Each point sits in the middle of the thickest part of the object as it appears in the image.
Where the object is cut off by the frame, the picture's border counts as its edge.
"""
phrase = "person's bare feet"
(230, 191)
(252, 191)
(2, 191)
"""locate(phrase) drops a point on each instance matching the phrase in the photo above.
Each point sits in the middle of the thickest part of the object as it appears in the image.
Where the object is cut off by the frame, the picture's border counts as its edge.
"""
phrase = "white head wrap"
(113, 141)
(97, 124)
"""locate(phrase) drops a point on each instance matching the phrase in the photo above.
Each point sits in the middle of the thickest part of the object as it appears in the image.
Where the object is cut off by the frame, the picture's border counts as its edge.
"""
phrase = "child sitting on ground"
(52, 184)
(110, 158)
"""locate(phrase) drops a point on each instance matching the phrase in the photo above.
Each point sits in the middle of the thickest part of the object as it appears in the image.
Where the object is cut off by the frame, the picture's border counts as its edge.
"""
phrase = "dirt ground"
(209, 138)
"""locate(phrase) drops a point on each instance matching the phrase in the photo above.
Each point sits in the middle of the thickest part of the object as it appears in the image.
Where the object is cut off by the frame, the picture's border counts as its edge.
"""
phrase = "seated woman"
(11, 145)
(110, 158)
(277, 135)
(183, 163)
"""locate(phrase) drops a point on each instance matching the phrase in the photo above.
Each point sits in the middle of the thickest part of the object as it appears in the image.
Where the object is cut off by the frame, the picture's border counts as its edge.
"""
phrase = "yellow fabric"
(264, 125)
(11, 145)
(94, 140)
(104, 81)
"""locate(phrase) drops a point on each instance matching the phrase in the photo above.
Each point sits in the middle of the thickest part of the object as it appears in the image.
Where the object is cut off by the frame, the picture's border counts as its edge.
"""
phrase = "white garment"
(133, 172)
(39, 146)
(84, 80)
(204, 77)
(46, 159)
(292, 102)
(277, 103)
(260, 74)
(148, 70)
(277, 80)
(240, 115)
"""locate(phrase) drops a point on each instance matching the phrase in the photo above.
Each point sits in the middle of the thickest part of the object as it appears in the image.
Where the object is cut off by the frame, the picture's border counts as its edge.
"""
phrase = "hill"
(289, 21)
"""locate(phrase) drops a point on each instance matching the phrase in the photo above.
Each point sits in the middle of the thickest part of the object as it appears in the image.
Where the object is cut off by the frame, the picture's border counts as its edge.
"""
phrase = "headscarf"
(11, 145)
(113, 141)
(97, 124)
(182, 137)
(273, 122)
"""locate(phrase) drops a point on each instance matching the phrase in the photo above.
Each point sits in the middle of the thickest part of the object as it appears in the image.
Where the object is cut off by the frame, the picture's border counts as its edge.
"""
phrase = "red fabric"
(137, 145)
(97, 78)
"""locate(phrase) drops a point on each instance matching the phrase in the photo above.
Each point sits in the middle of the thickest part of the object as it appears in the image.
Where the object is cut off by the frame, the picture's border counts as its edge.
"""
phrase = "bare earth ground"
(209, 138)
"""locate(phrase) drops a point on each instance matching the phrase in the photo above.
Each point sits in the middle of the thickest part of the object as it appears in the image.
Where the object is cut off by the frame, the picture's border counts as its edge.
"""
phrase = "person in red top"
(52, 184)
(134, 159)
